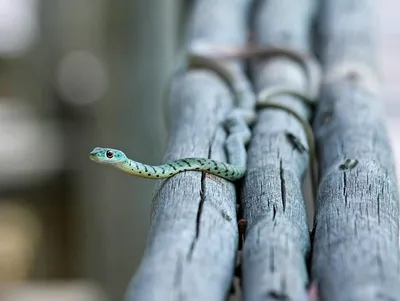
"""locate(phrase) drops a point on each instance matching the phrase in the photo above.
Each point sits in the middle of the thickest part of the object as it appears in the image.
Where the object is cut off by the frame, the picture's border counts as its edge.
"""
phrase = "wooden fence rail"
(277, 239)
(193, 239)
(356, 248)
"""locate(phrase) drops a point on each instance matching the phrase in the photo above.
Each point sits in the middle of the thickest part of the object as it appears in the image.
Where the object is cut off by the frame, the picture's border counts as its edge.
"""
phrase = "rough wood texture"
(356, 250)
(192, 243)
(277, 236)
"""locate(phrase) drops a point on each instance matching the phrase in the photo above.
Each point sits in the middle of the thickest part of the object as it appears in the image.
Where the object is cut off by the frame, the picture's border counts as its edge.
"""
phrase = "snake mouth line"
(93, 157)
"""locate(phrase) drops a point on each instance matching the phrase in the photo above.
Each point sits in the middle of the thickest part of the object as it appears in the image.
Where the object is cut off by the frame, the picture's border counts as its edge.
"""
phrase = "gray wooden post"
(192, 242)
(277, 236)
(356, 248)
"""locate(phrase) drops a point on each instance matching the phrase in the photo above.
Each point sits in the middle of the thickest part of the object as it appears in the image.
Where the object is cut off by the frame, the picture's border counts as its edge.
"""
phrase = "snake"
(237, 121)
(118, 159)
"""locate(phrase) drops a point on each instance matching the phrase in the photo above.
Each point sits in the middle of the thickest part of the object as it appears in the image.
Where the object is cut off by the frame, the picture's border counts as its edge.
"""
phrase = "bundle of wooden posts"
(352, 252)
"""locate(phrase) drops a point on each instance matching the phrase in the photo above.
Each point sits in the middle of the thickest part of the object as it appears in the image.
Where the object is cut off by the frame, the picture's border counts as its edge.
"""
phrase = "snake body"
(237, 121)
(119, 160)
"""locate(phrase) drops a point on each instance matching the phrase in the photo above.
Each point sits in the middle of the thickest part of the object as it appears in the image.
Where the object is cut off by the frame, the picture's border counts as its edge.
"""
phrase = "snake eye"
(109, 154)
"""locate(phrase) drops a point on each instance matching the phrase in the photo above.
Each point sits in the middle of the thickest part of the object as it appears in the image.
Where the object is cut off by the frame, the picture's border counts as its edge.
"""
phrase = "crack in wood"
(201, 202)
(295, 142)
(283, 187)
(274, 295)
(198, 217)
(344, 189)
(379, 209)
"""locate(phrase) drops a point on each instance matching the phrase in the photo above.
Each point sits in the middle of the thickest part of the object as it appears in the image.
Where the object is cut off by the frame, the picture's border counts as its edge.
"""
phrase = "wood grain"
(193, 238)
(355, 251)
(277, 238)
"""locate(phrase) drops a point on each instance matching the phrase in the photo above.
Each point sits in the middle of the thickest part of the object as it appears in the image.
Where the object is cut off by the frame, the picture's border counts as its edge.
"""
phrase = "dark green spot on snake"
(186, 162)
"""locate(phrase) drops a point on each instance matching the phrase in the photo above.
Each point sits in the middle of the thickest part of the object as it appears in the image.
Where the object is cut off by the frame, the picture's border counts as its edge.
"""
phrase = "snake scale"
(237, 120)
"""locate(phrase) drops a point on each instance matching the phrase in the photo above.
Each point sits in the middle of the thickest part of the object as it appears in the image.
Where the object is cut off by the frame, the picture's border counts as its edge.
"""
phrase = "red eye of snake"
(109, 154)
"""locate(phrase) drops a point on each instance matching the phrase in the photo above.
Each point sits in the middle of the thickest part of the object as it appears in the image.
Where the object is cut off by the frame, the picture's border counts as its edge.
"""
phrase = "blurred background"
(78, 74)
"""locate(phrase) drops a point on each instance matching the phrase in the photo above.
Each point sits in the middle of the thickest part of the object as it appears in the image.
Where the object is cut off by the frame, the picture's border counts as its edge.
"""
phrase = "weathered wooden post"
(277, 237)
(356, 249)
(192, 243)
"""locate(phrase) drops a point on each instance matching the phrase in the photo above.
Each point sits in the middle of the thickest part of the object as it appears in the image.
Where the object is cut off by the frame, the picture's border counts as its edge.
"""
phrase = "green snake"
(237, 121)
(118, 159)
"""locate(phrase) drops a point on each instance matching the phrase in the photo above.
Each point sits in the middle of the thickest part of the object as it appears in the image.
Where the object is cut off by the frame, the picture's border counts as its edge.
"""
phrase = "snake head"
(107, 155)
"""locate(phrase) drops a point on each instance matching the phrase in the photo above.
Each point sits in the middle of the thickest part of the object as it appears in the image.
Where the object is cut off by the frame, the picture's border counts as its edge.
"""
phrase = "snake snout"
(94, 154)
